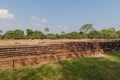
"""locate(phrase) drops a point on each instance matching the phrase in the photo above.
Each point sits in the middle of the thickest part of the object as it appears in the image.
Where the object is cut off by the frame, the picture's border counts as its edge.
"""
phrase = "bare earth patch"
(47, 41)
(98, 55)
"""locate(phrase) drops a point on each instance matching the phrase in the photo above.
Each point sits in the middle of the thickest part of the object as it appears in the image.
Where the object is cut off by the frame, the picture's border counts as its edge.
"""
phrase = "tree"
(1, 36)
(0, 32)
(51, 36)
(37, 35)
(58, 36)
(63, 32)
(29, 33)
(14, 34)
(109, 33)
(94, 34)
(73, 35)
(83, 36)
(47, 29)
(86, 28)
(18, 34)
(118, 33)
(9, 35)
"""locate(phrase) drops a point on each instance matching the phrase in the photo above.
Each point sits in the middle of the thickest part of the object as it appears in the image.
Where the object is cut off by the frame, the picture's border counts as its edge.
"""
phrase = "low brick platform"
(22, 55)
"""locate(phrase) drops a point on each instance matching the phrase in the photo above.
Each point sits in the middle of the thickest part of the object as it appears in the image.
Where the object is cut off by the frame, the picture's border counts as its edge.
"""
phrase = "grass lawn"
(99, 68)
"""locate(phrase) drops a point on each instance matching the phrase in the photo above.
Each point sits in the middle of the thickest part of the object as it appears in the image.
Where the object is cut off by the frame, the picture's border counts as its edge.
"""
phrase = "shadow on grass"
(115, 54)
(91, 69)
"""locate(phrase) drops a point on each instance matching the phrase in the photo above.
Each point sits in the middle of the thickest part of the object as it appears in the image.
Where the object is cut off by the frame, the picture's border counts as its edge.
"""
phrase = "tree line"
(86, 31)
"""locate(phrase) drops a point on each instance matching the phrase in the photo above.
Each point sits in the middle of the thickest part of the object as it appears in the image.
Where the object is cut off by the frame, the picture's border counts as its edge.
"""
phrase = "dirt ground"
(45, 41)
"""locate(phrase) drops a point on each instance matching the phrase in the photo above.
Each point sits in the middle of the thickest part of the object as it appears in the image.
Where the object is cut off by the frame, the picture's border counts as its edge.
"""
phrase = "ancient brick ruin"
(21, 55)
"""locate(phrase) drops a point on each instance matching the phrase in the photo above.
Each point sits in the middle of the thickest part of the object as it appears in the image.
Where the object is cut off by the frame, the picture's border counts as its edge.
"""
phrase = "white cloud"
(42, 20)
(38, 23)
(63, 28)
(4, 14)
(35, 19)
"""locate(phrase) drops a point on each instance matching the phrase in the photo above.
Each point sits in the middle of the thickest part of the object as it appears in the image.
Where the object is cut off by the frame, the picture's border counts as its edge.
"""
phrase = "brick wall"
(21, 55)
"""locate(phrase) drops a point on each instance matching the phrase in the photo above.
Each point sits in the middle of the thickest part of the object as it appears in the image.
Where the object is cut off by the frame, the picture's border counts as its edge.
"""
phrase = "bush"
(1, 36)
(51, 36)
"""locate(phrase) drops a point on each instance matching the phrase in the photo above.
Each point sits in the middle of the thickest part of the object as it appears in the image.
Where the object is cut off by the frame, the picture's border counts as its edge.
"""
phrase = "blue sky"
(59, 15)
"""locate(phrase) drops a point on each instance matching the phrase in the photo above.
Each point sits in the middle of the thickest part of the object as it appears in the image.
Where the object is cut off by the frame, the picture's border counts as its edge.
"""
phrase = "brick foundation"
(22, 55)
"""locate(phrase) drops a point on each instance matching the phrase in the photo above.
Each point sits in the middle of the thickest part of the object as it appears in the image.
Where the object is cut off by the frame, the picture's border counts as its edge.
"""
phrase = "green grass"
(102, 68)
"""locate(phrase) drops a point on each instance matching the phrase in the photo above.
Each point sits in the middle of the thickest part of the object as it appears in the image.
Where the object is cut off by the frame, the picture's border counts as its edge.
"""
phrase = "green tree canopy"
(118, 33)
(94, 34)
(29, 33)
(86, 28)
(51, 36)
(109, 33)
(9, 35)
(19, 34)
(37, 35)
(14, 34)
(73, 35)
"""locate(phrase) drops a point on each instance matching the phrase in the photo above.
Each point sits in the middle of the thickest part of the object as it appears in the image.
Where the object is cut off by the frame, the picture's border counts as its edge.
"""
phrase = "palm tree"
(63, 32)
(47, 29)
(0, 32)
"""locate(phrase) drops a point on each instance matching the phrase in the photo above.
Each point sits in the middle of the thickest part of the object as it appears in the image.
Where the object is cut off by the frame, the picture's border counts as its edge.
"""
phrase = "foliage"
(47, 29)
(73, 35)
(29, 33)
(9, 35)
(109, 33)
(34, 34)
(14, 34)
(58, 36)
(19, 34)
(1, 36)
(86, 31)
(37, 35)
(86, 28)
(63, 32)
(0, 32)
(51, 36)
(94, 34)
(118, 33)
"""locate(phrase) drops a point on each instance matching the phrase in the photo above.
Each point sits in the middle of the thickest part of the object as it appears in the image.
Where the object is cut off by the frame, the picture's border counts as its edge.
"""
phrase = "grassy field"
(91, 68)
